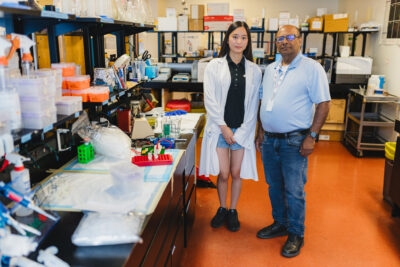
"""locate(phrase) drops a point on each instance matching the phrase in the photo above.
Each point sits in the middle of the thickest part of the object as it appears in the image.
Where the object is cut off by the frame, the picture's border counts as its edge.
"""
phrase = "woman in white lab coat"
(231, 85)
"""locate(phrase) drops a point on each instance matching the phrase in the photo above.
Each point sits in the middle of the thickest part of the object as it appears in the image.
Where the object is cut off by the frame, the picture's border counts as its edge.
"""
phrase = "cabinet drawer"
(189, 182)
(189, 214)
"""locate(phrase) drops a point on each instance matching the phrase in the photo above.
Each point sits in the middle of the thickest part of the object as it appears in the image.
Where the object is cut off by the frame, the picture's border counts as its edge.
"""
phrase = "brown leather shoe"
(271, 231)
(292, 246)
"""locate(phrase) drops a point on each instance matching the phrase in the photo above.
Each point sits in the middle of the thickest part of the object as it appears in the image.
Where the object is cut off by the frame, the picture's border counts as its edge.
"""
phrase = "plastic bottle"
(373, 84)
(20, 180)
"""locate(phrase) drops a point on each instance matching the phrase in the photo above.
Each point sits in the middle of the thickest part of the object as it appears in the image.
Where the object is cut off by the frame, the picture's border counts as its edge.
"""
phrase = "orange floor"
(347, 221)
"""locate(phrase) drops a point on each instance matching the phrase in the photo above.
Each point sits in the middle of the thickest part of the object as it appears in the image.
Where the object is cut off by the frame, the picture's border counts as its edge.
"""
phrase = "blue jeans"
(286, 174)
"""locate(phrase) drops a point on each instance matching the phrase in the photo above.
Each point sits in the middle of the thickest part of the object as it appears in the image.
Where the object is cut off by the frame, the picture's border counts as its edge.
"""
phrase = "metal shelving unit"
(364, 121)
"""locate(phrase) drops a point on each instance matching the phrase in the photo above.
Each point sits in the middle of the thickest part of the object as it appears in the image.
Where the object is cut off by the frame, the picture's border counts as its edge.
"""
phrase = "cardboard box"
(217, 23)
(337, 111)
(315, 24)
(196, 11)
(336, 22)
(217, 9)
(196, 25)
(167, 24)
(329, 135)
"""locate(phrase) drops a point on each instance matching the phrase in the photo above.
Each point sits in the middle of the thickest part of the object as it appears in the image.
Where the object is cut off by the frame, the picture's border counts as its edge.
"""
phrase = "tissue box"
(336, 22)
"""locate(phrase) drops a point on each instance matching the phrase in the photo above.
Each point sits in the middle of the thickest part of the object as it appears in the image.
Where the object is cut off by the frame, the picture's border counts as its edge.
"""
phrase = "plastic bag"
(111, 141)
(97, 229)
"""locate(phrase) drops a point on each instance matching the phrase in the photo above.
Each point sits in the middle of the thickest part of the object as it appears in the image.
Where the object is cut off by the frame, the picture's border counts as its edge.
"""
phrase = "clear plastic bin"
(68, 69)
(33, 87)
(69, 105)
(39, 120)
(36, 104)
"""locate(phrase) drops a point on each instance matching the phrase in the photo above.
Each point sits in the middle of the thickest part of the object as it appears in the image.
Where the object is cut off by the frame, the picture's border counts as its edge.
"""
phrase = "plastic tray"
(163, 159)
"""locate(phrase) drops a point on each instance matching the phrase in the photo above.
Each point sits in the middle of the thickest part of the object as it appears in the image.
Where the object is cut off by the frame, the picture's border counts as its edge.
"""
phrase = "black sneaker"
(219, 218)
(233, 221)
(292, 246)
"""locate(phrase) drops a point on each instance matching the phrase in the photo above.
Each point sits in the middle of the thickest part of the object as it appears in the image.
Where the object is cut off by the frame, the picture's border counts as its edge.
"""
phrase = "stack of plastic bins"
(37, 99)
(390, 149)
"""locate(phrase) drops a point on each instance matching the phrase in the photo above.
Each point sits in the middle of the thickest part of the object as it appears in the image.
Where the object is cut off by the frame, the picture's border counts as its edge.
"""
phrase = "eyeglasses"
(289, 38)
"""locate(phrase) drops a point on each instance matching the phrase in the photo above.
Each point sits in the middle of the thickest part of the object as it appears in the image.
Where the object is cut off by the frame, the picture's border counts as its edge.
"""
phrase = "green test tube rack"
(85, 153)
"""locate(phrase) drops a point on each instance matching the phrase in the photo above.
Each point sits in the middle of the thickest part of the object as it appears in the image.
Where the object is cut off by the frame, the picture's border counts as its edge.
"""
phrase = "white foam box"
(167, 24)
(216, 9)
(354, 65)
(284, 15)
(273, 24)
(217, 23)
(183, 23)
(170, 12)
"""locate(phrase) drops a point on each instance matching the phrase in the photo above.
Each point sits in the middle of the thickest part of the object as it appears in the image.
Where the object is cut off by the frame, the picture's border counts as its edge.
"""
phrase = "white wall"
(386, 57)
(360, 11)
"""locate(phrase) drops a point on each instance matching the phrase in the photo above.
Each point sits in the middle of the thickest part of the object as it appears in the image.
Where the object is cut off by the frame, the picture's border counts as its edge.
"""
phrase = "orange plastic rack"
(163, 159)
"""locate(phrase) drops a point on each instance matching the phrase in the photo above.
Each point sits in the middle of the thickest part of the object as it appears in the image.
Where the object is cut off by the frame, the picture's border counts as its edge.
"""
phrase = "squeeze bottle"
(20, 180)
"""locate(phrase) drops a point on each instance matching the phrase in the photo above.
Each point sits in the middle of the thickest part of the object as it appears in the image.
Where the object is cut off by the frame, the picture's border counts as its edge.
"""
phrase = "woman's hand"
(227, 134)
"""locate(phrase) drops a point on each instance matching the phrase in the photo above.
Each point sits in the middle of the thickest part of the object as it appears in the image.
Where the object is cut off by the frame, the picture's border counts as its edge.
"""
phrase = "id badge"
(269, 106)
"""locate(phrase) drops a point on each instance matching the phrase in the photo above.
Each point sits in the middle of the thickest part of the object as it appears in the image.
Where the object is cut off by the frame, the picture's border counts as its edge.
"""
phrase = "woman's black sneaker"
(219, 218)
(233, 221)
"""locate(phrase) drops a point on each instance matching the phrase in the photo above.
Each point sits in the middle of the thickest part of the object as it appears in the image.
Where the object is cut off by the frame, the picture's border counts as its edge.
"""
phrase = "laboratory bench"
(165, 231)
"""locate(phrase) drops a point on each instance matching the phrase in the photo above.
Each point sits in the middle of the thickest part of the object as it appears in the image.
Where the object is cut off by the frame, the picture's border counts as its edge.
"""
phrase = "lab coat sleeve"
(214, 97)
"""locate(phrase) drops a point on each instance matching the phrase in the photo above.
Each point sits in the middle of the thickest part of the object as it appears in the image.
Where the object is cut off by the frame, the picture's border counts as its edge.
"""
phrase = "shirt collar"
(294, 63)
(242, 62)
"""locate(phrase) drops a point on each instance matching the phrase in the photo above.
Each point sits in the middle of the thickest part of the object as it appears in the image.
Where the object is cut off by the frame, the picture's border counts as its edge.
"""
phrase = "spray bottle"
(10, 107)
(26, 57)
(20, 179)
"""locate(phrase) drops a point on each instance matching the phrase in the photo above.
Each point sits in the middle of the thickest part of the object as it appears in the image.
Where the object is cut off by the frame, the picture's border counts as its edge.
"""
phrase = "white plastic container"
(373, 84)
(20, 181)
(10, 109)
(69, 105)
(39, 120)
(36, 104)
(34, 86)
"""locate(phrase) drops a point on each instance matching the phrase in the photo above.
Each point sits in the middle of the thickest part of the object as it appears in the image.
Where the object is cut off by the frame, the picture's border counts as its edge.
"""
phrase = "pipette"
(19, 198)
(20, 227)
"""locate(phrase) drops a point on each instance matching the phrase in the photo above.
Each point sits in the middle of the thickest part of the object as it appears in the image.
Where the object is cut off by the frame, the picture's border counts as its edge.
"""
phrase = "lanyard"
(279, 76)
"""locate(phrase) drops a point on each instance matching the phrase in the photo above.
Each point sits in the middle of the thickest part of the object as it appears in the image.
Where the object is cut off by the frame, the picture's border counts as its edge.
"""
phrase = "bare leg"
(222, 182)
(236, 186)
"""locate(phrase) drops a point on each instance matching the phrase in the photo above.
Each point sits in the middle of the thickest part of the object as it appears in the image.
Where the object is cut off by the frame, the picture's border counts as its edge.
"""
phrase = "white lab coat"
(216, 85)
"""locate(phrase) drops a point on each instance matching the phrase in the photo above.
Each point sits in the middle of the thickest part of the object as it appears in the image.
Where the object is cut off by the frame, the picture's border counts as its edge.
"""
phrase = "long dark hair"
(248, 52)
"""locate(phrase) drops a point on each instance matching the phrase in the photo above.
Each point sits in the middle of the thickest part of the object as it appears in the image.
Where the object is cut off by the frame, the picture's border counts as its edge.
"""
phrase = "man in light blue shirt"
(295, 102)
